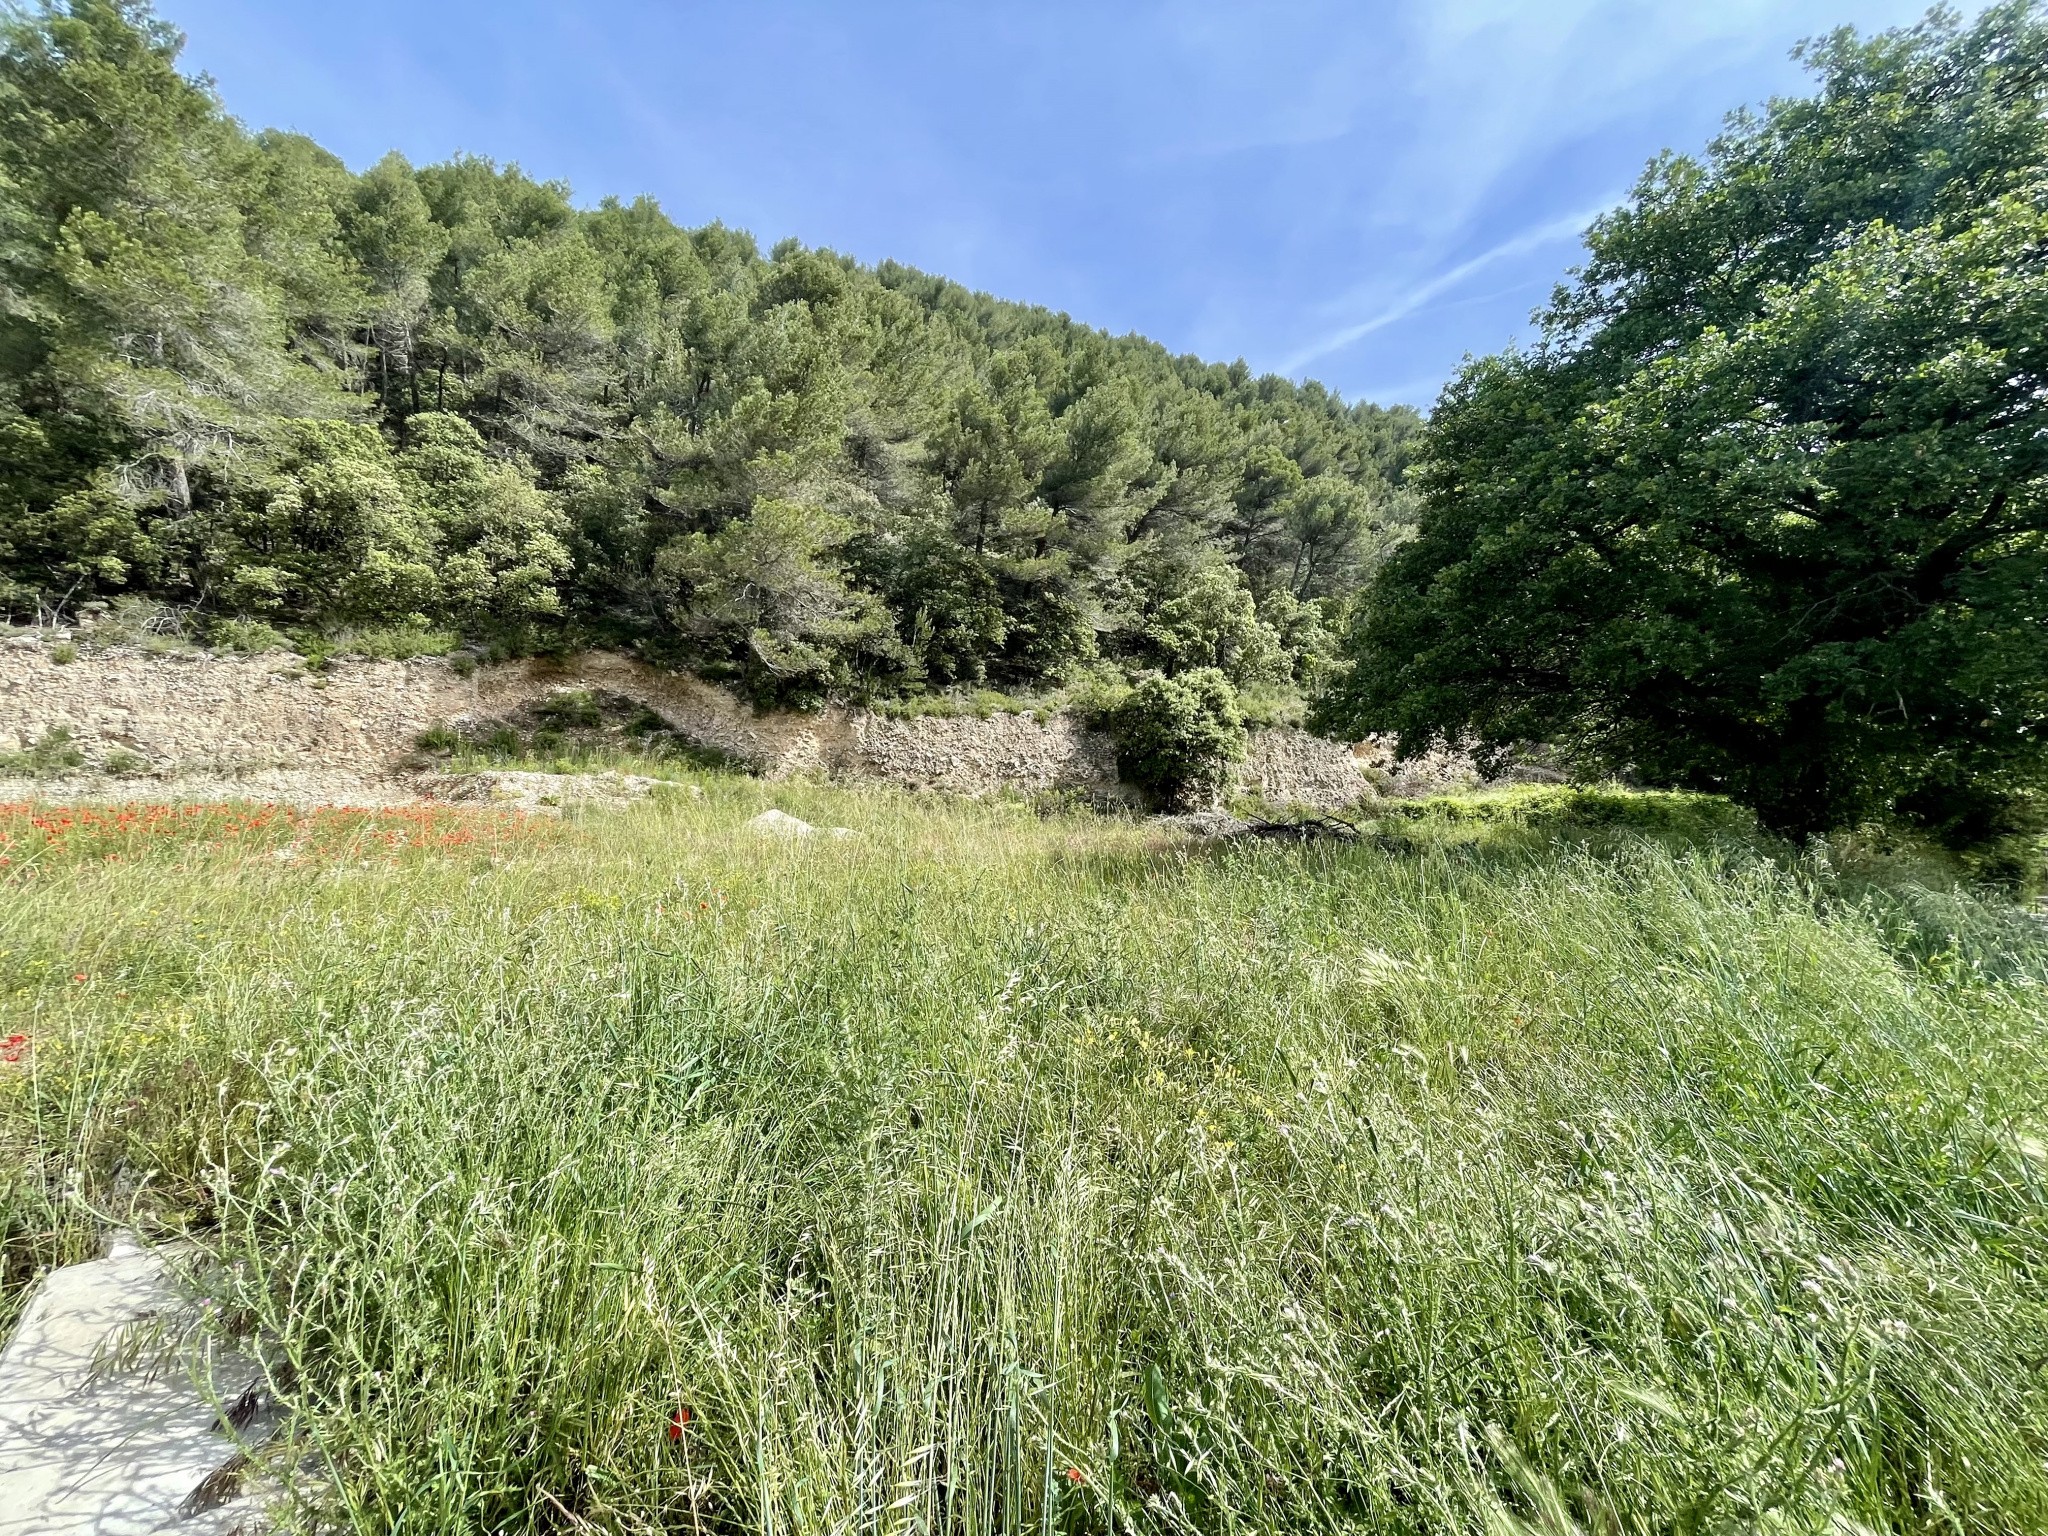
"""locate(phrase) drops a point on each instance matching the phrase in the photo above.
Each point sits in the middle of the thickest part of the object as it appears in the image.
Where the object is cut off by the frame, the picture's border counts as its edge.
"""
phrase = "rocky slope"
(267, 725)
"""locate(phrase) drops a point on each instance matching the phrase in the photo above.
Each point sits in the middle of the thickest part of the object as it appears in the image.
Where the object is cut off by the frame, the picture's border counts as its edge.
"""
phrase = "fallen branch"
(1309, 829)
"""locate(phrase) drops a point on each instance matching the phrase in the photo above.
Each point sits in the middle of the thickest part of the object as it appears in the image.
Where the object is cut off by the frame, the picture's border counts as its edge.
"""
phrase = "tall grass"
(988, 1174)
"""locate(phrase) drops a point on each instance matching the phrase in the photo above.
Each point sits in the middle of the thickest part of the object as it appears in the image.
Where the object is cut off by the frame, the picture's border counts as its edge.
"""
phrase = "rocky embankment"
(270, 727)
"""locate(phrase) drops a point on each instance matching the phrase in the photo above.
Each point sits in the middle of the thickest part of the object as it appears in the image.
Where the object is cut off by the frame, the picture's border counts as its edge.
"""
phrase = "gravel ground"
(310, 788)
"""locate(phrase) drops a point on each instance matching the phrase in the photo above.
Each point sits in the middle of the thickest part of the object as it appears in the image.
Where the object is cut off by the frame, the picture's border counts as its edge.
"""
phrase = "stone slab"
(102, 1434)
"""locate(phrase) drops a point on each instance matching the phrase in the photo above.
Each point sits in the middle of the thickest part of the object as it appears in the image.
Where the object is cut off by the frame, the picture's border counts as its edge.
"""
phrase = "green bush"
(438, 739)
(1267, 706)
(396, 642)
(1681, 812)
(132, 620)
(249, 637)
(1176, 737)
(54, 753)
(645, 722)
(575, 710)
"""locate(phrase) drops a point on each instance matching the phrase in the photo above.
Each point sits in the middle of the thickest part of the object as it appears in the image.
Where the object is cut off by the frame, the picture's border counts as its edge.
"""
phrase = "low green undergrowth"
(573, 731)
(985, 1172)
(52, 753)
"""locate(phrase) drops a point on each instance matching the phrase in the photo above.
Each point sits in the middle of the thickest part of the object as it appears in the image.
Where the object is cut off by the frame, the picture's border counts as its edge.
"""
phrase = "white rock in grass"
(773, 823)
(99, 1438)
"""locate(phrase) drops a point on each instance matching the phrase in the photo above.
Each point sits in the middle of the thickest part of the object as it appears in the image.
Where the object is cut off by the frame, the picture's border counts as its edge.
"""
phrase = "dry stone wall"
(193, 714)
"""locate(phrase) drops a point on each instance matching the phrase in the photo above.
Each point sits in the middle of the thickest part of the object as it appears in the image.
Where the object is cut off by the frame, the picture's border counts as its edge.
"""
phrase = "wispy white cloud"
(1492, 83)
(1571, 226)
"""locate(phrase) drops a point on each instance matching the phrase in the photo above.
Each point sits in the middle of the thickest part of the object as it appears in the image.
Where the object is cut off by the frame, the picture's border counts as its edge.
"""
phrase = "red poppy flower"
(1076, 1476)
(12, 1047)
(676, 1421)
(78, 975)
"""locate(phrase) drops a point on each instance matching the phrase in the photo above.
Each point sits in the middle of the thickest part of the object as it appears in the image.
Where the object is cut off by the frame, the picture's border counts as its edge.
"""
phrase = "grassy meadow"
(990, 1171)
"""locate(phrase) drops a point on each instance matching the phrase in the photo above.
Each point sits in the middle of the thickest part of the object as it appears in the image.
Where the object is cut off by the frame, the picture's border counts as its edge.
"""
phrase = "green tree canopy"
(229, 366)
(1764, 512)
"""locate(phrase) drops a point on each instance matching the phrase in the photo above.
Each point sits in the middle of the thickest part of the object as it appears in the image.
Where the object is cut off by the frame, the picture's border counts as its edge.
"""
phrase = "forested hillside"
(238, 378)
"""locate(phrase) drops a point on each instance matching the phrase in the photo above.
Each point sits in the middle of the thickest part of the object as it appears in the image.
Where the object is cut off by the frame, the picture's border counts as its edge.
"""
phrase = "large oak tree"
(1764, 510)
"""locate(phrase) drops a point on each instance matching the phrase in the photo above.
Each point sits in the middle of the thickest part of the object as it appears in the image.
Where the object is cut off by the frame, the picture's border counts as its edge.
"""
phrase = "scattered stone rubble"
(544, 793)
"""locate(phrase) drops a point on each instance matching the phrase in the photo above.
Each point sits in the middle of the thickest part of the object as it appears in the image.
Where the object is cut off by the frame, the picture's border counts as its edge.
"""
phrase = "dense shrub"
(1176, 737)
(249, 637)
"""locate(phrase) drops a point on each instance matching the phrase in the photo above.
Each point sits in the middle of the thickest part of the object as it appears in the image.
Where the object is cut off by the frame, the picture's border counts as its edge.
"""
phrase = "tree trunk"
(177, 488)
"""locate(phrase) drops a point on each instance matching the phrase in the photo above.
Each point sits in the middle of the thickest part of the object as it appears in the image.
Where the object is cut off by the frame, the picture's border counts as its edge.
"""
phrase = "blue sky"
(1361, 193)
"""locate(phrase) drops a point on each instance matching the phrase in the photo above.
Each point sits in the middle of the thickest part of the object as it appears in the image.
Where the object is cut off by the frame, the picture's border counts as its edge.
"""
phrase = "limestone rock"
(774, 823)
(95, 1441)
